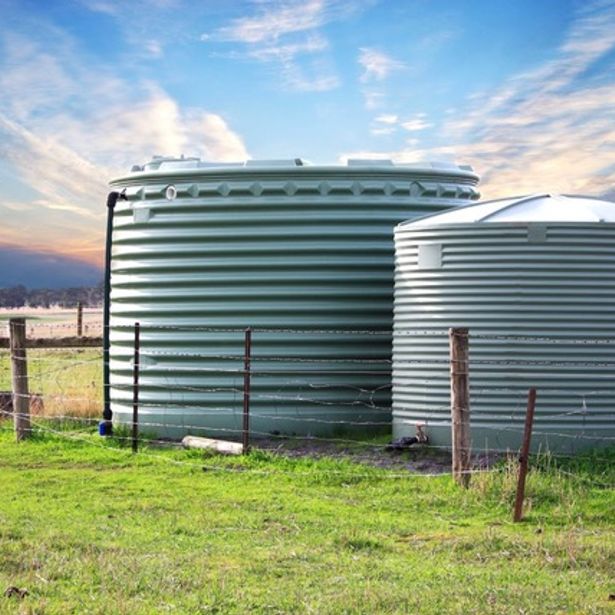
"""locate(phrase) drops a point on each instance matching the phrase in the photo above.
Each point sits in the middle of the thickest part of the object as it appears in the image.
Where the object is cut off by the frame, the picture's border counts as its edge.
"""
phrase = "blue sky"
(524, 91)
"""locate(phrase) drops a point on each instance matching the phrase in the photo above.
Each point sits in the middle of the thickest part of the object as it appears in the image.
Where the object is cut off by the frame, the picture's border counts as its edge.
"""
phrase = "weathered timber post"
(524, 455)
(19, 367)
(135, 389)
(246, 390)
(460, 404)
(79, 319)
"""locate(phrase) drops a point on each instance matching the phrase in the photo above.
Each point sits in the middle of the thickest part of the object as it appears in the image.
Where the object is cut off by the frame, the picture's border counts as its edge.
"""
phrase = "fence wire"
(187, 385)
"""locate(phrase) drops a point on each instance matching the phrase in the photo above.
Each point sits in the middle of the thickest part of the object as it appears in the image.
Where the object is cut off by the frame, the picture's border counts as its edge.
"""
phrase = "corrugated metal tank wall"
(539, 299)
(300, 248)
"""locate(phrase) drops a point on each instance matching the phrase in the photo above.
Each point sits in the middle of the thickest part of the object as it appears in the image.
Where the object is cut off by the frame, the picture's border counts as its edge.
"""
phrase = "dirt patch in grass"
(418, 459)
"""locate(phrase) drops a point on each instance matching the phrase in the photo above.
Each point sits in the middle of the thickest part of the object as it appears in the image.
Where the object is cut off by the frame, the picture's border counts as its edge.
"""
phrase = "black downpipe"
(106, 427)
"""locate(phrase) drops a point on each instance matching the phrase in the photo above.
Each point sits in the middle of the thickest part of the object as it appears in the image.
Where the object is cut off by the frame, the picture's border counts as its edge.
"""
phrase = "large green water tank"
(534, 281)
(302, 254)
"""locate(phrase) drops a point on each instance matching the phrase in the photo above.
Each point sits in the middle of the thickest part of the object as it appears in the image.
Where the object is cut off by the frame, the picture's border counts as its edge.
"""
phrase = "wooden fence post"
(135, 389)
(460, 404)
(524, 455)
(246, 390)
(19, 366)
(79, 319)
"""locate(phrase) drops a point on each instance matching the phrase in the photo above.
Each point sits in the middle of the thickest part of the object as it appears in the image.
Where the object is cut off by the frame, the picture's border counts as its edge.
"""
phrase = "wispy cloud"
(284, 52)
(117, 8)
(274, 21)
(379, 131)
(153, 48)
(551, 128)
(389, 123)
(374, 99)
(387, 118)
(416, 124)
(377, 65)
(148, 26)
(384, 124)
(67, 127)
(302, 81)
(289, 35)
(108, 7)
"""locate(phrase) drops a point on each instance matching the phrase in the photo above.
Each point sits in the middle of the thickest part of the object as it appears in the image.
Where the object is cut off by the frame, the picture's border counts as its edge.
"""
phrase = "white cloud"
(385, 124)
(373, 99)
(29, 73)
(548, 129)
(376, 64)
(274, 21)
(287, 34)
(147, 26)
(416, 124)
(153, 48)
(387, 118)
(220, 142)
(392, 122)
(298, 81)
(108, 7)
(120, 8)
(286, 52)
(66, 128)
(382, 130)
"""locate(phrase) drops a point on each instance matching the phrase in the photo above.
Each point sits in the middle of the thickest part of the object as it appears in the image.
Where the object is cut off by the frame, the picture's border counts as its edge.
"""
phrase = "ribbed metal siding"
(497, 283)
(303, 249)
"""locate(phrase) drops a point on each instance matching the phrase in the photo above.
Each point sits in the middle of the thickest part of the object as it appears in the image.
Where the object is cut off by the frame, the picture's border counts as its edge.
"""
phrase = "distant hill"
(609, 195)
(35, 269)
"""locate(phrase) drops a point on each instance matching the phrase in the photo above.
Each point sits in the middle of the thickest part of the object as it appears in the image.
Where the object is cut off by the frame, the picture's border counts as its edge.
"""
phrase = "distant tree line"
(20, 296)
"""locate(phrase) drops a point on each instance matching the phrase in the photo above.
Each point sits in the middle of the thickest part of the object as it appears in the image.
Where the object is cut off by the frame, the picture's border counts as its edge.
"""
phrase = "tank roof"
(168, 163)
(534, 208)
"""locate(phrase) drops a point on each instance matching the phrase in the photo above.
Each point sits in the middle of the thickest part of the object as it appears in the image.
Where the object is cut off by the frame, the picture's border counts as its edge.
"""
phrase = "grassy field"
(68, 379)
(86, 527)
(53, 322)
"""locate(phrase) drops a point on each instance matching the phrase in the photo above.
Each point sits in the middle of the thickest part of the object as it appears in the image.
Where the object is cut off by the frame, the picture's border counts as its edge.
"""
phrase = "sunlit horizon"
(523, 92)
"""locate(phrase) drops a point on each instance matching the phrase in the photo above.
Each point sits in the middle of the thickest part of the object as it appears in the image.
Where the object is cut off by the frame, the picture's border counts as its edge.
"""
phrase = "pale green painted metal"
(270, 246)
(508, 274)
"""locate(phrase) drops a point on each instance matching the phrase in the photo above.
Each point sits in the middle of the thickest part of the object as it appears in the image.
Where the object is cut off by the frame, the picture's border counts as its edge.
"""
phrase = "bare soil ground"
(418, 458)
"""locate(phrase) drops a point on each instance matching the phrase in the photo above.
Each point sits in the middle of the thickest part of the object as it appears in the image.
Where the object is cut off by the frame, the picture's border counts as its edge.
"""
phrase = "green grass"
(87, 527)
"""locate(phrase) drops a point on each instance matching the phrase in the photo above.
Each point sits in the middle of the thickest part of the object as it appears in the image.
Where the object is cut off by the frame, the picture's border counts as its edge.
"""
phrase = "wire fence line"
(399, 330)
(187, 404)
(205, 399)
(564, 338)
(229, 411)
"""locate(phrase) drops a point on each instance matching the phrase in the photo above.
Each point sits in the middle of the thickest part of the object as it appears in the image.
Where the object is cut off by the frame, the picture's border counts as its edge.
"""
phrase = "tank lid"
(170, 163)
(295, 162)
(369, 162)
(534, 208)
